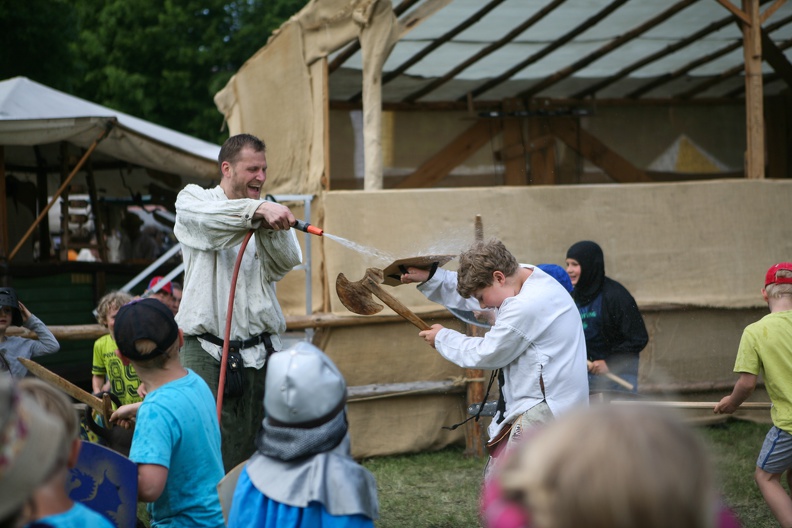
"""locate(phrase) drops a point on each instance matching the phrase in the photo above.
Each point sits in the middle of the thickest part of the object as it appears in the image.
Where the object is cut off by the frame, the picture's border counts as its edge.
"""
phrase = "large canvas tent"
(45, 134)
(455, 94)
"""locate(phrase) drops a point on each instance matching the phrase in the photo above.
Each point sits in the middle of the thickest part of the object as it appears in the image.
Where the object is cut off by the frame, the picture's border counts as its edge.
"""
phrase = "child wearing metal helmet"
(765, 348)
(13, 312)
(302, 474)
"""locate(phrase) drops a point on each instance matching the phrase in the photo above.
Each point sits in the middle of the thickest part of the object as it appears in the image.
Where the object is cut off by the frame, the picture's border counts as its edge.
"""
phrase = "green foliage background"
(160, 60)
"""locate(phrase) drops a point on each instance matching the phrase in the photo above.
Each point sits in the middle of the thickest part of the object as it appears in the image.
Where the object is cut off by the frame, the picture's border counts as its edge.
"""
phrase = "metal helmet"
(8, 297)
(303, 387)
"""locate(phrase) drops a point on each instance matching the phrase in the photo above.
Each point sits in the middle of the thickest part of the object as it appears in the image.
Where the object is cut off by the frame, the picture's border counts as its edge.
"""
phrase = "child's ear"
(74, 453)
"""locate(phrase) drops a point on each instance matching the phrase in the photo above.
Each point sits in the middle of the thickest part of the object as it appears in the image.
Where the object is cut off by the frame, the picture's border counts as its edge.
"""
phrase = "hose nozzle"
(308, 228)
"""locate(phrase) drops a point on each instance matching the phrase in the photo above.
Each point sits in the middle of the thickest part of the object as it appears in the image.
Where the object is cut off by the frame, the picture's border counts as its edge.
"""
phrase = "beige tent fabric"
(693, 255)
(701, 243)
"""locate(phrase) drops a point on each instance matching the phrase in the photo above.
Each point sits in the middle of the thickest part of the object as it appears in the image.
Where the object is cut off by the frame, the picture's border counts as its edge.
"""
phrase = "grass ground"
(440, 490)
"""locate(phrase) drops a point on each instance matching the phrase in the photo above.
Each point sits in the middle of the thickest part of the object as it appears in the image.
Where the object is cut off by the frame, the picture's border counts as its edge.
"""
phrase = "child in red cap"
(766, 348)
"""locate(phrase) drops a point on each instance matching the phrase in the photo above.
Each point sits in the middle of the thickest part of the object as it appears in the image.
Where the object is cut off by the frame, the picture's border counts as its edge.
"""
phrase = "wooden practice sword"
(103, 406)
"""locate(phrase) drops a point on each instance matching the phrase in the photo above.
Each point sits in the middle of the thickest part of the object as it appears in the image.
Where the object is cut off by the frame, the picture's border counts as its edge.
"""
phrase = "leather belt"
(239, 345)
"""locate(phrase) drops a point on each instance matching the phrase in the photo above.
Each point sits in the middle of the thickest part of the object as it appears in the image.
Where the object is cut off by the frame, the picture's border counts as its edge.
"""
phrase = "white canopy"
(34, 114)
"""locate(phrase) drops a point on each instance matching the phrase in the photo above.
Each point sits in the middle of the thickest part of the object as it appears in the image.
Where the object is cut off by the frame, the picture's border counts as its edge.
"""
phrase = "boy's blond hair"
(58, 406)
(774, 291)
(111, 301)
(614, 467)
(479, 262)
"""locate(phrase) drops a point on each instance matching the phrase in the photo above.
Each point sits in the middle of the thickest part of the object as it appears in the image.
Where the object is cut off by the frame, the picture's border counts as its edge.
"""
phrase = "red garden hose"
(227, 334)
(302, 226)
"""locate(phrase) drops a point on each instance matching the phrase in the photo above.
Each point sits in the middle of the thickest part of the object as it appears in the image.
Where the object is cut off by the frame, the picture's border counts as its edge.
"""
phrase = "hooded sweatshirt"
(613, 326)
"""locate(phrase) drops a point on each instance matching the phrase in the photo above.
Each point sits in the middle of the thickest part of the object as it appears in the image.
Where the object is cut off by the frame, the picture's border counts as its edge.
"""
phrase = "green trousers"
(241, 416)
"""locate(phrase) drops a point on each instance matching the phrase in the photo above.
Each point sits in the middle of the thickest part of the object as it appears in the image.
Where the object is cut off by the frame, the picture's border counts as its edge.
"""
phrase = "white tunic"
(211, 228)
(537, 333)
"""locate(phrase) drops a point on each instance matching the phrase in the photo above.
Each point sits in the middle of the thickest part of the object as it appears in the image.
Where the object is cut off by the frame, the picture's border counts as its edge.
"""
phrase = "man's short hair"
(233, 146)
(479, 262)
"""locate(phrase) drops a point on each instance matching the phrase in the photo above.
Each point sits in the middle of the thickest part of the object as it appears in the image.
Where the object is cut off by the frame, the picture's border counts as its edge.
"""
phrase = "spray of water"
(363, 250)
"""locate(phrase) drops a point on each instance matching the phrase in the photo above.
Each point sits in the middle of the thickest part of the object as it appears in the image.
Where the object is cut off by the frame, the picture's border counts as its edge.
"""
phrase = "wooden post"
(754, 103)
(513, 146)
(99, 231)
(542, 160)
(57, 195)
(475, 439)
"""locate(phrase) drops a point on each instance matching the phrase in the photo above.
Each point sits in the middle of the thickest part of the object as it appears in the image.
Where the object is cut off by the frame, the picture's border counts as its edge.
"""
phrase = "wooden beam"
(734, 10)
(511, 35)
(705, 85)
(569, 131)
(542, 159)
(453, 154)
(514, 162)
(354, 47)
(574, 32)
(668, 50)
(606, 49)
(770, 10)
(754, 93)
(436, 43)
(699, 62)
(774, 56)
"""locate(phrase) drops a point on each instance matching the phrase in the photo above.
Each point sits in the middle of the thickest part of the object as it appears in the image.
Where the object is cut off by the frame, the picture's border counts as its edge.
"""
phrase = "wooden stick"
(103, 407)
(691, 404)
(614, 378)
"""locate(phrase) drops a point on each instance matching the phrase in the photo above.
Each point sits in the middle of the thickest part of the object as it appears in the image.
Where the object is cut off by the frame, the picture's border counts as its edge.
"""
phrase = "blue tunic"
(251, 508)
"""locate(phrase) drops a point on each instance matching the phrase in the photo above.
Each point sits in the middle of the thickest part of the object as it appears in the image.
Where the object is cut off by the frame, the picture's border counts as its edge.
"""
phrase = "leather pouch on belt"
(235, 381)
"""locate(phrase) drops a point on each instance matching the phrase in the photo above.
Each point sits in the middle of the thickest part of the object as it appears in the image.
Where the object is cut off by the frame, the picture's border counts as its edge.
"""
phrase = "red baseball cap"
(770, 277)
(167, 287)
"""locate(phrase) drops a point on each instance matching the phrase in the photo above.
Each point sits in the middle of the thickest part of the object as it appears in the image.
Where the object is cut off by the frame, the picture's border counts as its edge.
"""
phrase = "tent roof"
(567, 49)
(34, 114)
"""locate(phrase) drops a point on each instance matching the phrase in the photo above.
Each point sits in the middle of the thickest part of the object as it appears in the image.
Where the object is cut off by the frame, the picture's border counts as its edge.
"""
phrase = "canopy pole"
(754, 96)
(63, 186)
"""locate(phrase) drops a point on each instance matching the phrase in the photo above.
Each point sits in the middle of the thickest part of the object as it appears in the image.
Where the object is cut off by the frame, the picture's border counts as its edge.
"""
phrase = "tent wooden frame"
(757, 27)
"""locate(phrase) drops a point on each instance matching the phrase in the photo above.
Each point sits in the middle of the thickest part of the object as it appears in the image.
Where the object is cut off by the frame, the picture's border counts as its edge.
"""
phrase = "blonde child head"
(612, 466)
(109, 302)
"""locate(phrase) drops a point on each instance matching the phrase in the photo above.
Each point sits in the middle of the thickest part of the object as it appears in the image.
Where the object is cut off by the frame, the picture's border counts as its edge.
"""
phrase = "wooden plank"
(410, 388)
(568, 130)
(754, 93)
(453, 154)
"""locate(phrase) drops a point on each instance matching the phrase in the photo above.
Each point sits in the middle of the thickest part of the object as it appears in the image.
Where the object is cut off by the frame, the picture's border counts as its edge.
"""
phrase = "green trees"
(161, 60)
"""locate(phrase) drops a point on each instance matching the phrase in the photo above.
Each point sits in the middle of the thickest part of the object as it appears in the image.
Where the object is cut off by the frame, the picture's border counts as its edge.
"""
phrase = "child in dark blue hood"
(614, 328)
